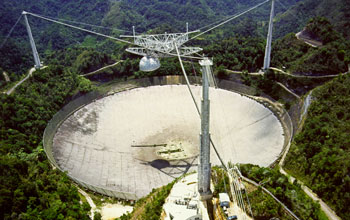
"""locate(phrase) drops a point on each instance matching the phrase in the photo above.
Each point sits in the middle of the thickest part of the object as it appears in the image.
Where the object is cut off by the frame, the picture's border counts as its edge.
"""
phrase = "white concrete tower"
(267, 58)
(204, 167)
(32, 43)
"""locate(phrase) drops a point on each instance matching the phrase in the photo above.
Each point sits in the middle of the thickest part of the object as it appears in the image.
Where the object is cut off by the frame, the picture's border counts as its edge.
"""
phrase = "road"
(239, 72)
(89, 200)
(289, 74)
(325, 208)
(306, 76)
(9, 92)
(310, 42)
(329, 212)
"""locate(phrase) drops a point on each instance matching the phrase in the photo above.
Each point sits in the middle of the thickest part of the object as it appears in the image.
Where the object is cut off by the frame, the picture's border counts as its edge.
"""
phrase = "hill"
(29, 187)
(15, 55)
(152, 15)
(336, 11)
(320, 153)
(332, 57)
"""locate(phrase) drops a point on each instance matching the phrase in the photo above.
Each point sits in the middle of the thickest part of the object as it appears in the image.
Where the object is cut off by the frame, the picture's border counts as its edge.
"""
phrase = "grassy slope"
(320, 153)
(337, 11)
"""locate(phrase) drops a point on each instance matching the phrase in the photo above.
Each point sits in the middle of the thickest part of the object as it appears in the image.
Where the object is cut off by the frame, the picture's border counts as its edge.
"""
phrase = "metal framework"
(161, 45)
(184, 51)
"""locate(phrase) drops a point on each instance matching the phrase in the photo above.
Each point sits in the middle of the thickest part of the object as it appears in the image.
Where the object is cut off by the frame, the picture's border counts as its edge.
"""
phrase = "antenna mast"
(32, 42)
(267, 58)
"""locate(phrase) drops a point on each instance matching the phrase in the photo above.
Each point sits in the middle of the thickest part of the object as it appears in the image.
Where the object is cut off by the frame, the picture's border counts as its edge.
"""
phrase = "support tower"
(267, 58)
(32, 43)
(204, 168)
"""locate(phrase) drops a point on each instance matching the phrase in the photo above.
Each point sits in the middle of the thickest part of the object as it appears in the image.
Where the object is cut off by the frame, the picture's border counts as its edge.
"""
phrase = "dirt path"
(89, 200)
(96, 71)
(307, 76)
(10, 91)
(239, 72)
(289, 74)
(313, 43)
(325, 208)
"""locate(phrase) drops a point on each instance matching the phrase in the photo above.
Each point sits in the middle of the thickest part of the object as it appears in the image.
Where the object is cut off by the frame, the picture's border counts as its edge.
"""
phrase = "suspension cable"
(237, 187)
(249, 206)
(187, 81)
(218, 21)
(286, 8)
(230, 19)
(79, 28)
(9, 34)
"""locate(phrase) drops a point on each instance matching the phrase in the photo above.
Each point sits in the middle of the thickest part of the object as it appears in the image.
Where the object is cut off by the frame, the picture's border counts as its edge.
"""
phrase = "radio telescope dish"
(149, 63)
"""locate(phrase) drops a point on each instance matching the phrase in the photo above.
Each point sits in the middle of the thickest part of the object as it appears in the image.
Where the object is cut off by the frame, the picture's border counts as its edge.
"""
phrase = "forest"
(263, 205)
(320, 153)
(155, 16)
(30, 188)
(288, 193)
(150, 207)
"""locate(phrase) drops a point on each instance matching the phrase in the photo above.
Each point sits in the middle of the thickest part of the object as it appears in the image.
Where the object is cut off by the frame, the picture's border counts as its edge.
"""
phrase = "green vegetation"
(293, 20)
(289, 194)
(30, 188)
(160, 14)
(238, 53)
(220, 181)
(150, 207)
(2, 78)
(97, 216)
(265, 207)
(155, 16)
(321, 29)
(242, 49)
(16, 55)
(333, 57)
(15, 58)
(80, 60)
(83, 60)
(263, 84)
(320, 153)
